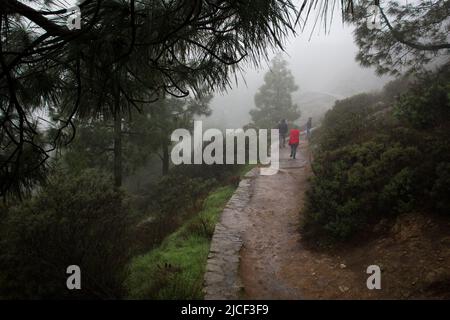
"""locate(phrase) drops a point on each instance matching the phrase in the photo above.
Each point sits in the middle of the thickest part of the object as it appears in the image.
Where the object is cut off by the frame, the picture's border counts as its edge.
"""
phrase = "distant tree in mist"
(273, 100)
(143, 133)
(172, 113)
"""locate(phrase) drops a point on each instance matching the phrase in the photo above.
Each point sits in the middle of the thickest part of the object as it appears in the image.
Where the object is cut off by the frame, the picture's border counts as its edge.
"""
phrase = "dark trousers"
(308, 133)
(294, 150)
(282, 140)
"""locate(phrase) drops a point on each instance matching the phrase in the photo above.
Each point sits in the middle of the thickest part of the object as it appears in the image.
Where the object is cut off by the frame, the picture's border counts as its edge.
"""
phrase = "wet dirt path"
(271, 240)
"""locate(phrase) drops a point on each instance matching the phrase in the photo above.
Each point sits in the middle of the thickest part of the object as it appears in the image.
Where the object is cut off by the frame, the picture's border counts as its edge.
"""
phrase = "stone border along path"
(221, 279)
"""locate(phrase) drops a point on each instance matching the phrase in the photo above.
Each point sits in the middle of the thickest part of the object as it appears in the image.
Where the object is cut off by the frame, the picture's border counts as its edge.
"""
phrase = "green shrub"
(168, 204)
(441, 188)
(368, 166)
(175, 194)
(359, 182)
(426, 105)
(74, 220)
(398, 193)
(344, 122)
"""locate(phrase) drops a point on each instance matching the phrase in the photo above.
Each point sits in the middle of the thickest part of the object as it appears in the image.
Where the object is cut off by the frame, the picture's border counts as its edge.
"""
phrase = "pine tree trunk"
(165, 158)
(117, 141)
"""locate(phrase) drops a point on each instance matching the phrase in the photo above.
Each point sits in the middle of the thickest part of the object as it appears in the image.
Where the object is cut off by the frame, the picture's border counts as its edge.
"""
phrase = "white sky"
(325, 64)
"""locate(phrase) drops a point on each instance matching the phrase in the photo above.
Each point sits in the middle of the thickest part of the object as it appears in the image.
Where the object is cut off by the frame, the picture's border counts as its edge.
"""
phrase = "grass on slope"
(175, 269)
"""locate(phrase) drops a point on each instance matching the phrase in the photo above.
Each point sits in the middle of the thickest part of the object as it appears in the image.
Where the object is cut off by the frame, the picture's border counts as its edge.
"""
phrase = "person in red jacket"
(294, 140)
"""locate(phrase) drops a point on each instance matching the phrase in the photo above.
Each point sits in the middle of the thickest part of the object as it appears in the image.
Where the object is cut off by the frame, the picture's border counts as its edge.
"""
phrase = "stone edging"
(221, 280)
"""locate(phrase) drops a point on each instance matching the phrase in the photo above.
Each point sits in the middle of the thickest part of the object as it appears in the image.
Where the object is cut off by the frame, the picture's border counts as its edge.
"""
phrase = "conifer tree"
(273, 100)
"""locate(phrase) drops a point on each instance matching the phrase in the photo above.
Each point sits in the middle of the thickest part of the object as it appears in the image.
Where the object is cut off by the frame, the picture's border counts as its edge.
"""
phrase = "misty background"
(323, 64)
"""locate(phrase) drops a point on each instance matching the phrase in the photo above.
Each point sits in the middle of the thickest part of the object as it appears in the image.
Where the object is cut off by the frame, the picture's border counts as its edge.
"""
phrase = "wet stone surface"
(222, 270)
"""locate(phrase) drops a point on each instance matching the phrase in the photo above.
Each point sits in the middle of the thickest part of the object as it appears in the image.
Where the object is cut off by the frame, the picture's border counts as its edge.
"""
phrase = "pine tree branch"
(415, 45)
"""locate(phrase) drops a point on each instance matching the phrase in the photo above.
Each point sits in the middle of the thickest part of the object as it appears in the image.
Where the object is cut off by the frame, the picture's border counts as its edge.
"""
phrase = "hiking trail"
(257, 237)
(257, 251)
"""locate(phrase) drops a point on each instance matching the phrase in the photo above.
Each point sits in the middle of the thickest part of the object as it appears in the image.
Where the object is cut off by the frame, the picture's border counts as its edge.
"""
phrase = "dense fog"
(321, 81)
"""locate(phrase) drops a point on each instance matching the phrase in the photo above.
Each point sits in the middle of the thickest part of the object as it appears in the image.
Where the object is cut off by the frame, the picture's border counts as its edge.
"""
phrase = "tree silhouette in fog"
(273, 100)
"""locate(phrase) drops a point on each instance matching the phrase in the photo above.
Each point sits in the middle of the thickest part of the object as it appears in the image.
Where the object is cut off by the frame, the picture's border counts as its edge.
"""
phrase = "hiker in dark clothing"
(283, 130)
(308, 128)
